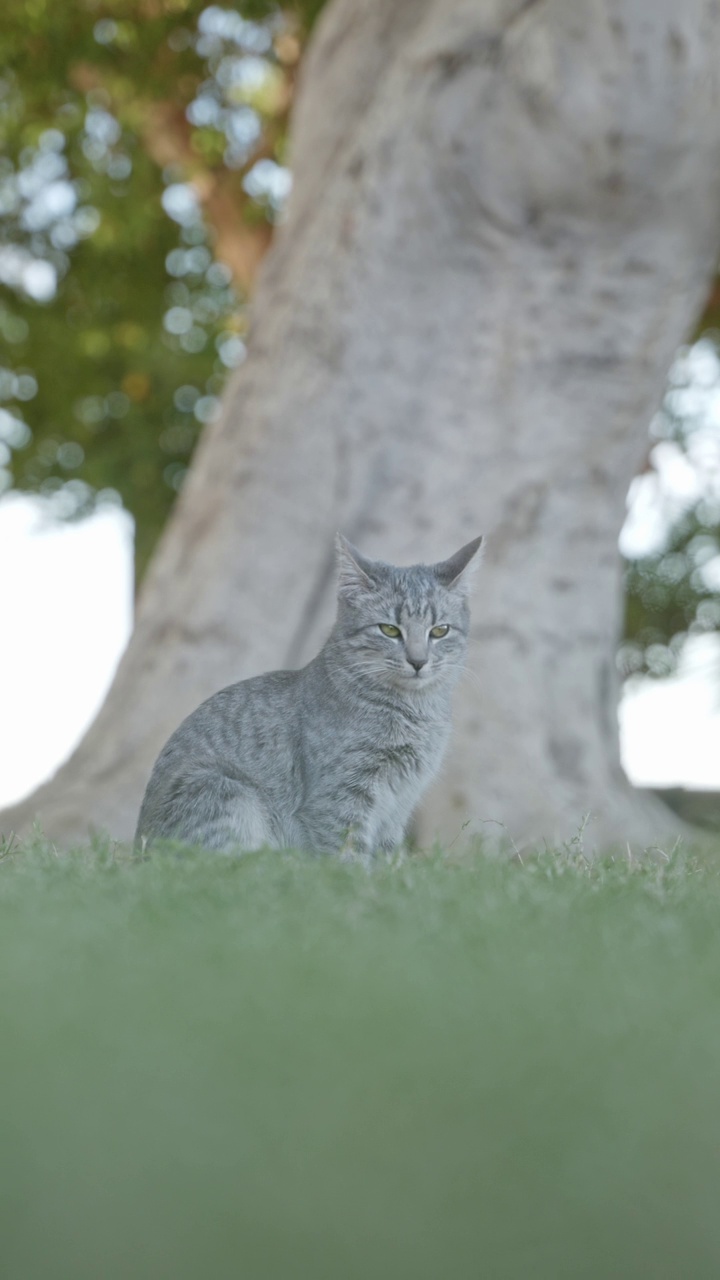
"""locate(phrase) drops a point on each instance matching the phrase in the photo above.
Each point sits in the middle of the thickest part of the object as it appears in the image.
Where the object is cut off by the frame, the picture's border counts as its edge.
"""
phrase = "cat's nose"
(417, 663)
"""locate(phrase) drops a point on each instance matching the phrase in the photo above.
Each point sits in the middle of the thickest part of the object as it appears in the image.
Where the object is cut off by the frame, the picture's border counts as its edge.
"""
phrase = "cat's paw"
(354, 850)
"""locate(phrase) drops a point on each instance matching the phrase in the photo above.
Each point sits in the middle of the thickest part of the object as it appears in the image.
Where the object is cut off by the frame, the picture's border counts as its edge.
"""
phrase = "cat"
(335, 757)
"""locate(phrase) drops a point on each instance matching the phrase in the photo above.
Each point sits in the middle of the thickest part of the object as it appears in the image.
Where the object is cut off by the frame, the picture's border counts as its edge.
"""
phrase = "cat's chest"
(402, 748)
(398, 768)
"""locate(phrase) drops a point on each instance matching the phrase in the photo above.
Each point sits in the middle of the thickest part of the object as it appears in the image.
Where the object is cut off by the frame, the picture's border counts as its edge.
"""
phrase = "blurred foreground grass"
(281, 1067)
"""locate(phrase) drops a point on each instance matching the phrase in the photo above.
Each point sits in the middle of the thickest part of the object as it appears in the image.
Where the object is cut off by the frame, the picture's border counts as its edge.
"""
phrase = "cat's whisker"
(466, 673)
(474, 680)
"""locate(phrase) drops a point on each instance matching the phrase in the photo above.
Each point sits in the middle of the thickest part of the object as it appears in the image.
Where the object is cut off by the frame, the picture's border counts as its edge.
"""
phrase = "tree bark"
(505, 217)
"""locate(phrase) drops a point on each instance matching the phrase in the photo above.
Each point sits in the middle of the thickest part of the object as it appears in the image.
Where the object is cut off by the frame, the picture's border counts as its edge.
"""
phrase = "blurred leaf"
(129, 238)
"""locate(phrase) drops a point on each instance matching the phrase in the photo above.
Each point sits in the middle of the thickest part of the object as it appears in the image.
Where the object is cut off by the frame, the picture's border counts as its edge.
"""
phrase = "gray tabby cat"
(335, 756)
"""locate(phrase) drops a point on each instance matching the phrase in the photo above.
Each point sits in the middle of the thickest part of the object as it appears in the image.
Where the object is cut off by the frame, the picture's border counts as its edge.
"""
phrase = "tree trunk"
(504, 221)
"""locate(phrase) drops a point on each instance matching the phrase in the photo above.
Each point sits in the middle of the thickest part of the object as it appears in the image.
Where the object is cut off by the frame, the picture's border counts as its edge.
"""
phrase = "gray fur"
(335, 756)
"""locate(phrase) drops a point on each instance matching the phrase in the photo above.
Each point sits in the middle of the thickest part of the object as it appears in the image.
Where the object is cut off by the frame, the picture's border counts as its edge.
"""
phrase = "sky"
(670, 729)
(67, 596)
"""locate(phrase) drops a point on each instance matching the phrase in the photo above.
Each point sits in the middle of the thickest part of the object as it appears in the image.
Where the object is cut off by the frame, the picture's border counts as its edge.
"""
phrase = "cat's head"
(404, 627)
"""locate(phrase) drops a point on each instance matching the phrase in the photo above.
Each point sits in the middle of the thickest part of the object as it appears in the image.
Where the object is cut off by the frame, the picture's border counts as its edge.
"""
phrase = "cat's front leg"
(345, 824)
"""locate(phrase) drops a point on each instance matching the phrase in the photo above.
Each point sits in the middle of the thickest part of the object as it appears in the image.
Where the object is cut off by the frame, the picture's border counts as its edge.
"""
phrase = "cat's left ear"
(457, 573)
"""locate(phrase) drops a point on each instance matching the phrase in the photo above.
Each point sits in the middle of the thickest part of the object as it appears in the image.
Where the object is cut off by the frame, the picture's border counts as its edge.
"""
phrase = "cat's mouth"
(423, 676)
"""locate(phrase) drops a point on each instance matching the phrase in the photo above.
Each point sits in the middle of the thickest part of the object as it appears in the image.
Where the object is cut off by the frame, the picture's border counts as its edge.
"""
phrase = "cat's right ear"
(456, 573)
(353, 569)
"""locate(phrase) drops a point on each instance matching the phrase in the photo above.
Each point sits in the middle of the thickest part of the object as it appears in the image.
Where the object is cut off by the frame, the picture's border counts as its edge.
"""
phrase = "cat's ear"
(458, 571)
(354, 571)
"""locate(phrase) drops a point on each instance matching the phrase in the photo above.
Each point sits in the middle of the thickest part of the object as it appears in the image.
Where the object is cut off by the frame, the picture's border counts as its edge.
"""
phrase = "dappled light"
(142, 170)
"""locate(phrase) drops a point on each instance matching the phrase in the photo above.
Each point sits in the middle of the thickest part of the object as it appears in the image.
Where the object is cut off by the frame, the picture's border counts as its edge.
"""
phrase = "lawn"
(285, 1067)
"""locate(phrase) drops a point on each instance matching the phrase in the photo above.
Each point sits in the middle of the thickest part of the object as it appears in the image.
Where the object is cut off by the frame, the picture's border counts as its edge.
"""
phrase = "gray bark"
(504, 221)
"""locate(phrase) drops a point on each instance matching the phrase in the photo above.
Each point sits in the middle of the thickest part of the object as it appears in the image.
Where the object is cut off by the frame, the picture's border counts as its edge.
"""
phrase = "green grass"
(281, 1067)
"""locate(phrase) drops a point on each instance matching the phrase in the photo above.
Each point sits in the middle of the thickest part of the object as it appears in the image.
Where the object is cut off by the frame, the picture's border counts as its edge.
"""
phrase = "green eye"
(437, 633)
(388, 630)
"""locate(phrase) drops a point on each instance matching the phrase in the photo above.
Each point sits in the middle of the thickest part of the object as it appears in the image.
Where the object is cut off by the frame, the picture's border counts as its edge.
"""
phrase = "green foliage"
(117, 325)
(668, 598)
(276, 1066)
(672, 591)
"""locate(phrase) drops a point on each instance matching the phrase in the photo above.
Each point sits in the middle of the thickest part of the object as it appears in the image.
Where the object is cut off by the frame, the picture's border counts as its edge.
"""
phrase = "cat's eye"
(388, 630)
(437, 633)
